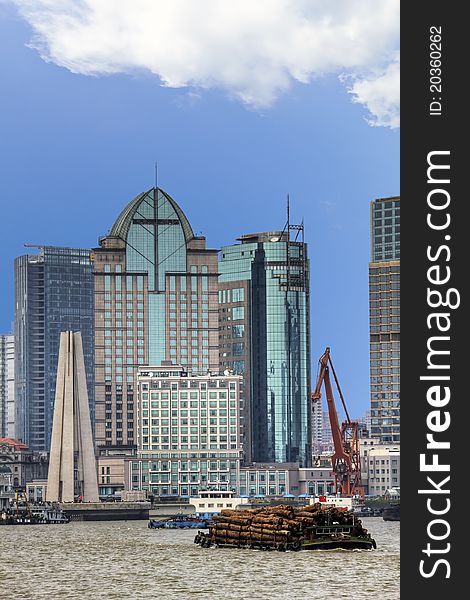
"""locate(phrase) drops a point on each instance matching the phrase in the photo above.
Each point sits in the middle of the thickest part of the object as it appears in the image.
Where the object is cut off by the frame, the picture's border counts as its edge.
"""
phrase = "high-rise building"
(384, 310)
(7, 386)
(155, 300)
(264, 335)
(53, 293)
(188, 426)
(327, 435)
(317, 427)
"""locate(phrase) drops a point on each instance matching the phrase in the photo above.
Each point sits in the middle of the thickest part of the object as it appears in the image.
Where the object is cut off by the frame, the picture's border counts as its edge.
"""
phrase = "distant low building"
(6, 487)
(383, 469)
(112, 461)
(25, 464)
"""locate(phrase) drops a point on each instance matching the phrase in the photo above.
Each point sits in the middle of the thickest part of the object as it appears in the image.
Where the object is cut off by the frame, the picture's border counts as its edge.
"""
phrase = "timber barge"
(285, 528)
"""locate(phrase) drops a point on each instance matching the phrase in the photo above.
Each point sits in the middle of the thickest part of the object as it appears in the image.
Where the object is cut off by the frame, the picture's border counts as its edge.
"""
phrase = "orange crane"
(346, 462)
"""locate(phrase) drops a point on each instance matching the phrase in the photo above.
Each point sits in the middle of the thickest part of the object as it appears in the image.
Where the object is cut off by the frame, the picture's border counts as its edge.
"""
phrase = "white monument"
(72, 462)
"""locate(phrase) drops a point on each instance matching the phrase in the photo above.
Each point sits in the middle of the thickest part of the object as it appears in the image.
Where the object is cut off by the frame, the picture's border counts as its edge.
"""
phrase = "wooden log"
(229, 526)
(305, 513)
(312, 507)
(233, 520)
(285, 514)
(290, 524)
(271, 519)
(269, 532)
(226, 533)
(307, 521)
(268, 524)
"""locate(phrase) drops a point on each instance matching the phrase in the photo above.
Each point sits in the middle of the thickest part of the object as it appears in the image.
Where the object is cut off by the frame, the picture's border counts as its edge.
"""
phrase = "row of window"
(231, 295)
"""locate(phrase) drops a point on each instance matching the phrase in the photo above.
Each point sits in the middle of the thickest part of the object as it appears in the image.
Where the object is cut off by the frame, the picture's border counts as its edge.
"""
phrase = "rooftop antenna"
(155, 218)
(289, 334)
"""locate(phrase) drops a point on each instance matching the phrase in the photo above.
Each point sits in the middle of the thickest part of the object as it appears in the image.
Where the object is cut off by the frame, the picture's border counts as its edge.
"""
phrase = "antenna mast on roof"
(155, 237)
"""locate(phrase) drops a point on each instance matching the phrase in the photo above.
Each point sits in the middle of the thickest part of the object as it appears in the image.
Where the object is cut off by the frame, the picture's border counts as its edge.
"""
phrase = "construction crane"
(346, 462)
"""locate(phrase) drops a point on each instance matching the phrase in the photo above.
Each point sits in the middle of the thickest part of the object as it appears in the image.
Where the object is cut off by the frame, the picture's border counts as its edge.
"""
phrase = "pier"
(106, 511)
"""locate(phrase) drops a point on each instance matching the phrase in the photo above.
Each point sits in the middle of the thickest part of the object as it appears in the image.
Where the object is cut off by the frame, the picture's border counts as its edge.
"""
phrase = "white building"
(327, 437)
(7, 386)
(317, 427)
(188, 435)
(383, 468)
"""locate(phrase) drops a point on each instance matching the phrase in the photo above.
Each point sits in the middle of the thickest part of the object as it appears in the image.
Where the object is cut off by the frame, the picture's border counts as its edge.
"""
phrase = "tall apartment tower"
(7, 386)
(264, 336)
(384, 305)
(155, 300)
(53, 293)
(317, 427)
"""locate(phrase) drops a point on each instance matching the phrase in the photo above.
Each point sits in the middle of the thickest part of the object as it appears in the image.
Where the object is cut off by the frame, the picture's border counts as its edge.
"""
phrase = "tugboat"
(22, 512)
(334, 537)
(391, 513)
(181, 521)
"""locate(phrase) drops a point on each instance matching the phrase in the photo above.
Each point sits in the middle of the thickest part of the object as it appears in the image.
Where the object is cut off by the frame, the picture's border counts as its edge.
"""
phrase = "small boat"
(23, 512)
(391, 513)
(181, 521)
(334, 537)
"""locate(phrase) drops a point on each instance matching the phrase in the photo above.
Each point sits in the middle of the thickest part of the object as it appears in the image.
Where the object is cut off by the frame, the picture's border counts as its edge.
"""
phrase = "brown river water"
(127, 560)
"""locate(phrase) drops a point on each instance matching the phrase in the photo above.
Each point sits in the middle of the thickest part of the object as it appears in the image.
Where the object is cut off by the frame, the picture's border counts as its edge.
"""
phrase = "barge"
(285, 528)
(23, 512)
(182, 522)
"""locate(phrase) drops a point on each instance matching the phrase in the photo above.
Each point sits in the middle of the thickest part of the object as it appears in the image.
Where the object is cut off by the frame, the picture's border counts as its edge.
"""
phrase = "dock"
(106, 511)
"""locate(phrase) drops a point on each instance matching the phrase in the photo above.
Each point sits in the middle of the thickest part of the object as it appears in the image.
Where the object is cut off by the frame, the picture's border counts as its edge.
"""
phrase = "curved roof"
(121, 227)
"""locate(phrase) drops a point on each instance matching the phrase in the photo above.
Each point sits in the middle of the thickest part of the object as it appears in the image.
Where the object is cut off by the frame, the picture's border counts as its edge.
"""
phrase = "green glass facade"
(275, 275)
(155, 300)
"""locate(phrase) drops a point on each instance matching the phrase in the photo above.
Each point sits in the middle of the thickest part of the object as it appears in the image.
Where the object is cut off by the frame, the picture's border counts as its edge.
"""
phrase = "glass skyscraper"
(53, 293)
(264, 335)
(384, 311)
(7, 386)
(155, 301)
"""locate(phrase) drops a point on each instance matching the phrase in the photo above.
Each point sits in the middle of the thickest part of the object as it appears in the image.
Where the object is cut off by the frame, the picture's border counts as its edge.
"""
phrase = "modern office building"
(264, 335)
(384, 305)
(155, 300)
(7, 386)
(53, 293)
(188, 431)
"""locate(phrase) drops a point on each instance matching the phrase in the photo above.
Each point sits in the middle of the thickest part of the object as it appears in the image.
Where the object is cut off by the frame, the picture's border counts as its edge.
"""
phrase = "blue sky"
(76, 148)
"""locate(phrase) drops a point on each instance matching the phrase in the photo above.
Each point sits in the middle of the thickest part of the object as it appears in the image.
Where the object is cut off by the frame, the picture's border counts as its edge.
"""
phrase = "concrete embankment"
(106, 511)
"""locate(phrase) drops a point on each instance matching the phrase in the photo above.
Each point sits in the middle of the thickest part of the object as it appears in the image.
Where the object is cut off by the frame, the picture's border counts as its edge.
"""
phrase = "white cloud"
(380, 93)
(253, 49)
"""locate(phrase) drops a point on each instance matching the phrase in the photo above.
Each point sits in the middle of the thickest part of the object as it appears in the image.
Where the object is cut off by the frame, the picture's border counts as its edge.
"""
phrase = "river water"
(126, 560)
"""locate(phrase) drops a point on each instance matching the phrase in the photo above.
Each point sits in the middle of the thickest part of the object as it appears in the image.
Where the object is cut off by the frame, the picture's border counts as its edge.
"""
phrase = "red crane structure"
(346, 462)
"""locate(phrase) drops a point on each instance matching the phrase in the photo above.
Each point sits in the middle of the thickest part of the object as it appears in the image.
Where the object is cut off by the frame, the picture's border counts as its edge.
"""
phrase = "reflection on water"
(126, 560)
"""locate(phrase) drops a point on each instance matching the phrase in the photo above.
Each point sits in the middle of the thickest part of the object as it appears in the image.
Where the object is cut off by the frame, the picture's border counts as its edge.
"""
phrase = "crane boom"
(346, 463)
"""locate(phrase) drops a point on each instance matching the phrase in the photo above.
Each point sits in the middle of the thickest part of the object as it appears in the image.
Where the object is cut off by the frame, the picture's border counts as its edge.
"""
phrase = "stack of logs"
(277, 528)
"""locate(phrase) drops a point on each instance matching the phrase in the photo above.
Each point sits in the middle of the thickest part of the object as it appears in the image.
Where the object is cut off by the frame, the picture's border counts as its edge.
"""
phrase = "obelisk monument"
(72, 463)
